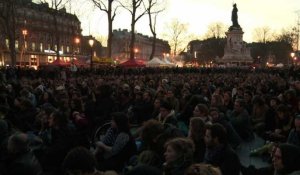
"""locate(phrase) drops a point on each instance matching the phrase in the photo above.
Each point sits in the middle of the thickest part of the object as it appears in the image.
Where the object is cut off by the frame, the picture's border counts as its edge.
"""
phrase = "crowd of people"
(172, 121)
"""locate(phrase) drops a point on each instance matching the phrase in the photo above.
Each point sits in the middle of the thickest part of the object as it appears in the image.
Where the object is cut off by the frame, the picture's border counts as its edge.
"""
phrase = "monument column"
(235, 53)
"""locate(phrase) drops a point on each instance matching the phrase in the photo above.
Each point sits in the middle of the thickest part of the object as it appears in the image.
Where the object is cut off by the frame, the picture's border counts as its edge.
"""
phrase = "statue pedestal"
(235, 53)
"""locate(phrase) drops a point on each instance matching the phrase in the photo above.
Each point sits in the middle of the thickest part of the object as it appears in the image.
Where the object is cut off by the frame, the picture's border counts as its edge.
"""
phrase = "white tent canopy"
(168, 63)
(156, 62)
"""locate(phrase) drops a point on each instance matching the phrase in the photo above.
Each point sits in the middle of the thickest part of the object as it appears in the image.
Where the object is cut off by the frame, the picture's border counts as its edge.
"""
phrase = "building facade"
(40, 32)
(142, 48)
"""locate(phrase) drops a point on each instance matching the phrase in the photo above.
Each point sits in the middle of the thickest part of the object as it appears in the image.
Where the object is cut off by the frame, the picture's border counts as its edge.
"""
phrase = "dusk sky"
(198, 14)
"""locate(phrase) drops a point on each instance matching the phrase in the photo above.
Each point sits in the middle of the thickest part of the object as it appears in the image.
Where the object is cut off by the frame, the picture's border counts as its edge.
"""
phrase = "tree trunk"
(153, 47)
(110, 33)
(132, 40)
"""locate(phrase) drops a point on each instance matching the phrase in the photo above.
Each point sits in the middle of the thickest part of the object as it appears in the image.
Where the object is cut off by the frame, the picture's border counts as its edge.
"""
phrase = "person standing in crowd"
(218, 152)
(178, 156)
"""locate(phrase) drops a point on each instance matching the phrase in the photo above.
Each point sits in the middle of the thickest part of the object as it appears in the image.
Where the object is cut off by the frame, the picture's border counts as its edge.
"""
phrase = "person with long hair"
(178, 156)
(196, 134)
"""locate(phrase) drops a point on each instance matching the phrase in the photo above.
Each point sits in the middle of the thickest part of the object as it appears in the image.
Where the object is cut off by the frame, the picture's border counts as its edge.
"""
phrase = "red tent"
(133, 63)
(59, 62)
(77, 62)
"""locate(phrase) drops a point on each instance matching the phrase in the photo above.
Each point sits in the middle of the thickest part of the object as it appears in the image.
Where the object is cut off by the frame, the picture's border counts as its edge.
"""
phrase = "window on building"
(7, 43)
(25, 44)
(62, 49)
(50, 59)
(68, 49)
(17, 44)
(48, 46)
(41, 47)
(33, 60)
(55, 47)
(33, 46)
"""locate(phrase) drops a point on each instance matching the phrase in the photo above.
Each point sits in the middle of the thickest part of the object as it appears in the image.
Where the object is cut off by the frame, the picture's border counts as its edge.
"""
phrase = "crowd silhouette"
(172, 121)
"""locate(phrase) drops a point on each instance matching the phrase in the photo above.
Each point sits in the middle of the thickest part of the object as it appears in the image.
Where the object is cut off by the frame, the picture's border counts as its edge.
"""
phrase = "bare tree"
(8, 25)
(110, 10)
(216, 30)
(263, 34)
(288, 36)
(153, 9)
(57, 6)
(176, 34)
(133, 7)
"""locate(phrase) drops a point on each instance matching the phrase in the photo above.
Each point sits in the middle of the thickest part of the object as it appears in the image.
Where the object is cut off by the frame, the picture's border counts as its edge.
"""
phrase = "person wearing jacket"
(21, 161)
(218, 152)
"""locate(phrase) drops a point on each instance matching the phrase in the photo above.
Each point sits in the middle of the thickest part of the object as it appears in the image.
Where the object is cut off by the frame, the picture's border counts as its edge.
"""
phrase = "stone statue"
(234, 17)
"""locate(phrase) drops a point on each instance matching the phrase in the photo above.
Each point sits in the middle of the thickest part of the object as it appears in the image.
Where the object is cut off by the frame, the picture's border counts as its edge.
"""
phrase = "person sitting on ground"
(240, 120)
(57, 139)
(154, 135)
(80, 161)
(21, 160)
(286, 159)
(217, 117)
(218, 152)
(202, 169)
(294, 135)
(167, 114)
(201, 111)
(174, 102)
(283, 125)
(196, 134)
(144, 170)
(117, 146)
(178, 156)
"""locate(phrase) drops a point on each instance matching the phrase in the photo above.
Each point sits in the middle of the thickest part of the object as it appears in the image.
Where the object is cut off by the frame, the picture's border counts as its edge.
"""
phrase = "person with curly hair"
(178, 156)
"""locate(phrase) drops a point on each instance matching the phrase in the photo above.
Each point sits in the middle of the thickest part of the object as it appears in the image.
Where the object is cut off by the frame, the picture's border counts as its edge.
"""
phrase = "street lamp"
(292, 56)
(91, 43)
(136, 50)
(24, 46)
(77, 41)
